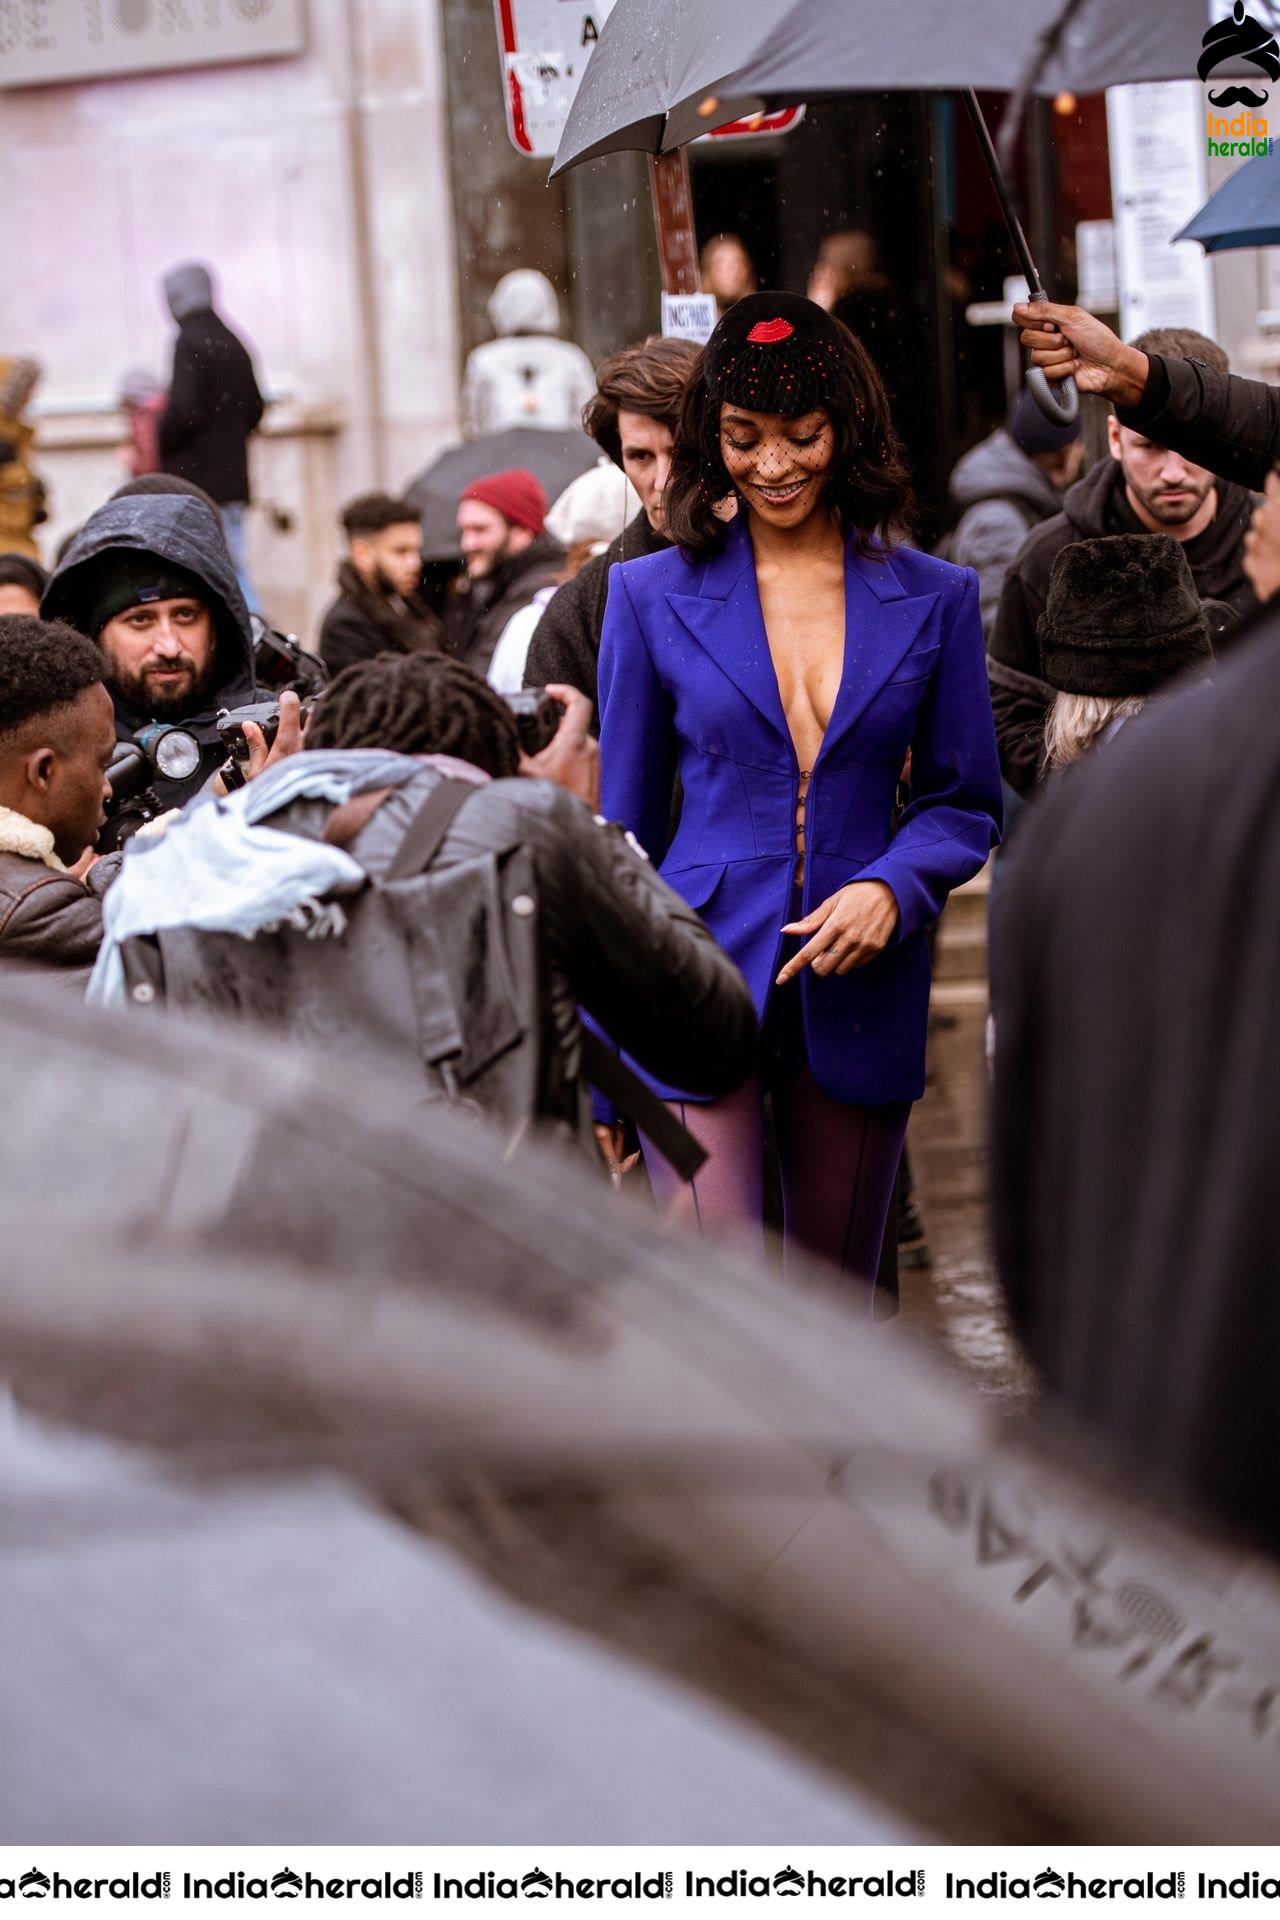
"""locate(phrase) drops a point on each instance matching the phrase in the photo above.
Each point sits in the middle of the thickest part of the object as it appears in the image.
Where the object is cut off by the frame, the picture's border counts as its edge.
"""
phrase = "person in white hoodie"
(528, 376)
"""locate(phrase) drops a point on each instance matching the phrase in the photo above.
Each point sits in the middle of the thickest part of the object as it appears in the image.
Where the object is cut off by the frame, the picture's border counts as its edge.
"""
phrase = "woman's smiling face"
(779, 464)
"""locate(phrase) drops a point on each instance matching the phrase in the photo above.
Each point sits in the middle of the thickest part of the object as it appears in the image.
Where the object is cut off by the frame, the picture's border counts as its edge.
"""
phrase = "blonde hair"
(1077, 719)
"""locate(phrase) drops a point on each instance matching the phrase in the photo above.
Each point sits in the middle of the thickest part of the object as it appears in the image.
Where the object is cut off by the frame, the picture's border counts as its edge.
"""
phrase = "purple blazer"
(687, 687)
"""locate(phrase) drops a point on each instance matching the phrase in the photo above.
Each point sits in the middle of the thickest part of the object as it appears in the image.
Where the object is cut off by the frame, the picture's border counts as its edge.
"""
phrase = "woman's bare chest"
(804, 622)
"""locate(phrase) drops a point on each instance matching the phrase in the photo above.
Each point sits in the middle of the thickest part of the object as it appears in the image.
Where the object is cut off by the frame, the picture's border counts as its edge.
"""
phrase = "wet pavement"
(956, 1300)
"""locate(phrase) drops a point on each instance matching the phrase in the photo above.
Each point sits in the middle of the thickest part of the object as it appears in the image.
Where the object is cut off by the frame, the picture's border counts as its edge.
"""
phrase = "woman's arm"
(637, 735)
(953, 817)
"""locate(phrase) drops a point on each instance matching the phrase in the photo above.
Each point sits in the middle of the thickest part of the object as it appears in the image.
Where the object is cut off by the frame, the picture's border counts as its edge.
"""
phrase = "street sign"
(545, 46)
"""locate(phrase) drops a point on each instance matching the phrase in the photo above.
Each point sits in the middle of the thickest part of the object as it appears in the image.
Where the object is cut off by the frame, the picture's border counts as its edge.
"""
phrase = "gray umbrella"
(665, 72)
(556, 457)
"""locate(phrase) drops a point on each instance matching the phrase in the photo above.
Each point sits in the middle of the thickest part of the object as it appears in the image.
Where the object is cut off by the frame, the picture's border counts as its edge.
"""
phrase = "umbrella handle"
(1059, 401)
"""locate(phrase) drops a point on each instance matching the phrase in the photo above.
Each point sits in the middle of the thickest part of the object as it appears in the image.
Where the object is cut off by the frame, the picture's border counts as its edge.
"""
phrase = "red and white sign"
(545, 48)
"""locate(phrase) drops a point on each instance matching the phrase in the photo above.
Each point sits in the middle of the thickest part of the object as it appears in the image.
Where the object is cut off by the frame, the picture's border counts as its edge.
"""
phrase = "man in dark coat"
(150, 578)
(509, 558)
(380, 607)
(214, 405)
(1141, 487)
(1137, 1055)
(1222, 422)
(633, 417)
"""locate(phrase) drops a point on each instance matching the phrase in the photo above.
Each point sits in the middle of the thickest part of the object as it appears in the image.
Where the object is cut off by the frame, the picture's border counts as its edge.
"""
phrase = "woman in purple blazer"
(785, 662)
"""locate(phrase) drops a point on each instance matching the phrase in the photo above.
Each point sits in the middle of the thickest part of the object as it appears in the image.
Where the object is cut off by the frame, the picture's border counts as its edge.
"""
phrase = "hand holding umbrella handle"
(1058, 401)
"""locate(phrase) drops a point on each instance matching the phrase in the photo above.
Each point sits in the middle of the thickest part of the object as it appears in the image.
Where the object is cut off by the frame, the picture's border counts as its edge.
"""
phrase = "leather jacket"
(46, 917)
(530, 910)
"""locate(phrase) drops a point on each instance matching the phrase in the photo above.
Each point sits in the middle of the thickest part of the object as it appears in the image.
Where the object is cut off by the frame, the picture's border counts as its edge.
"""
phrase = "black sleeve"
(565, 648)
(641, 962)
(254, 403)
(345, 638)
(1224, 423)
(184, 411)
(1020, 700)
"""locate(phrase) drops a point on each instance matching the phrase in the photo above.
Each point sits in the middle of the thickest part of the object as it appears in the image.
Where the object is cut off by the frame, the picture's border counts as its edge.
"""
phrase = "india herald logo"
(1239, 37)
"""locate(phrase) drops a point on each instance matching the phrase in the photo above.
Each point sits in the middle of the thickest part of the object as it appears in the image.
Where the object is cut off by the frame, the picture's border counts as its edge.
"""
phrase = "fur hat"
(775, 353)
(1122, 616)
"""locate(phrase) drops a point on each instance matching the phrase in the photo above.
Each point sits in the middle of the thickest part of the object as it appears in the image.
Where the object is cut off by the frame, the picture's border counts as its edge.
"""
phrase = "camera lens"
(176, 752)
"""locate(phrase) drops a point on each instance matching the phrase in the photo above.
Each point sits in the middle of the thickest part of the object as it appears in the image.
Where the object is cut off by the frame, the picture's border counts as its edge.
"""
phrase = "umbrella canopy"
(1244, 212)
(660, 61)
(556, 457)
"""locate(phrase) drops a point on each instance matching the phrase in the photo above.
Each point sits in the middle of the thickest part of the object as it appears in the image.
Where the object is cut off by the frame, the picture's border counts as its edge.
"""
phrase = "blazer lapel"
(724, 617)
(880, 622)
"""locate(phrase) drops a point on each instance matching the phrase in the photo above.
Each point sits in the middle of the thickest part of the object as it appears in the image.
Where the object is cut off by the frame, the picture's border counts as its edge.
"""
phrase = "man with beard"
(379, 608)
(633, 417)
(509, 556)
(1142, 487)
(150, 579)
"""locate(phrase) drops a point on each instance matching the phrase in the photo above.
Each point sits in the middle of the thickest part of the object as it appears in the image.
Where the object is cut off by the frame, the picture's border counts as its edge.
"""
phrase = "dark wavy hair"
(869, 487)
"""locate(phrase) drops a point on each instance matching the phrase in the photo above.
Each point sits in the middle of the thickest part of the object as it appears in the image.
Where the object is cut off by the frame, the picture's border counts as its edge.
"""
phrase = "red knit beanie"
(518, 495)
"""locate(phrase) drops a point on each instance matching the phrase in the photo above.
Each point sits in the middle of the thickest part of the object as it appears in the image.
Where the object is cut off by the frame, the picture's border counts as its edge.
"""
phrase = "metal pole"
(1003, 195)
(672, 191)
(1060, 401)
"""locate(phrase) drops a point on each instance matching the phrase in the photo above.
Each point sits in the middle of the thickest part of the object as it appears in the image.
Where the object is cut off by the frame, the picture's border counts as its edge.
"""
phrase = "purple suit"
(687, 687)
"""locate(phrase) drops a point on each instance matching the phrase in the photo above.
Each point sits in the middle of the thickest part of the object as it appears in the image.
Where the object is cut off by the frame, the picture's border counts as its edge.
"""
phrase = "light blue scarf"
(217, 869)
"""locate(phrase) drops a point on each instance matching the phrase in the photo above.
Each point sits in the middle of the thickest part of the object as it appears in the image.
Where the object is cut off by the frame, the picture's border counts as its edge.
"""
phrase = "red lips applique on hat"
(766, 332)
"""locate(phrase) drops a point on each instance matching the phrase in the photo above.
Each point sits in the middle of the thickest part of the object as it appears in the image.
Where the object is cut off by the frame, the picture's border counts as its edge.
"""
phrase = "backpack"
(447, 966)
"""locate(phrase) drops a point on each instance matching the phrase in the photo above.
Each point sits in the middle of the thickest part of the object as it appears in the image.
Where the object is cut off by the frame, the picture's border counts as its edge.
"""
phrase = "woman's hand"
(846, 931)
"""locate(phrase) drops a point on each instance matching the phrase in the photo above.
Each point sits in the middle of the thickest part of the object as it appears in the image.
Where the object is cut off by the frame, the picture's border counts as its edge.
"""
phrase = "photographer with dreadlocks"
(414, 881)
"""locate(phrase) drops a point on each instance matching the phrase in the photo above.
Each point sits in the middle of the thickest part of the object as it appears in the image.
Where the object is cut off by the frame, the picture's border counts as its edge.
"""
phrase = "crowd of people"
(633, 836)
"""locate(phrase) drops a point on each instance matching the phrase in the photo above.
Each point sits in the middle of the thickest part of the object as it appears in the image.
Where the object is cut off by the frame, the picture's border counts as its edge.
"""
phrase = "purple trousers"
(837, 1163)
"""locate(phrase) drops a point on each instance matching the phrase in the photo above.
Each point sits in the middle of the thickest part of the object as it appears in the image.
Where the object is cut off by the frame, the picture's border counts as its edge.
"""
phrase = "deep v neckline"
(813, 751)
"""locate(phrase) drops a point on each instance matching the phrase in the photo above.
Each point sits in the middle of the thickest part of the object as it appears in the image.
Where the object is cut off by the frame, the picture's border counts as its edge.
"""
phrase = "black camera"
(231, 723)
(156, 749)
(281, 664)
(538, 716)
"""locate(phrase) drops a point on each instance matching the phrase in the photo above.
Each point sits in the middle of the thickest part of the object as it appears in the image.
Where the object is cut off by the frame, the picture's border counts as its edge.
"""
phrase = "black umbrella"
(556, 458)
(665, 72)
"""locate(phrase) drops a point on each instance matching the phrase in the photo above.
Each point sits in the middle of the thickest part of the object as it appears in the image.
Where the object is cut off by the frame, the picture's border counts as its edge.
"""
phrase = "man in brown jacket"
(57, 738)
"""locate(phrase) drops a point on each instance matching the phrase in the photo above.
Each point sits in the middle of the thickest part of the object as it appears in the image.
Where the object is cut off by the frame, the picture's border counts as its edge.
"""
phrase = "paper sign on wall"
(689, 316)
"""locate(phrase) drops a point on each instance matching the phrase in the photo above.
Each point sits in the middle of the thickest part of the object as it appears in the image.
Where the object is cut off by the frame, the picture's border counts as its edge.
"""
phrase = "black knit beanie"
(126, 577)
(775, 353)
(1122, 617)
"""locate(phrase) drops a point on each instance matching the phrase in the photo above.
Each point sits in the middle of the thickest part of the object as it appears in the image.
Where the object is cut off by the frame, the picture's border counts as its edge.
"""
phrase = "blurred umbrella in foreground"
(556, 457)
(258, 1265)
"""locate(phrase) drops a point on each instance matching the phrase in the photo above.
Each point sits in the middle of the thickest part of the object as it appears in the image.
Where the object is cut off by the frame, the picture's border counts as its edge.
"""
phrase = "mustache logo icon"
(1240, 97)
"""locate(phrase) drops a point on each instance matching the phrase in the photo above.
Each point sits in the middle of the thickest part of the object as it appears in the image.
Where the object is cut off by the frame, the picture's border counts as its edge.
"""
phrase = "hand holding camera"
(571, 756)
(259, 736)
